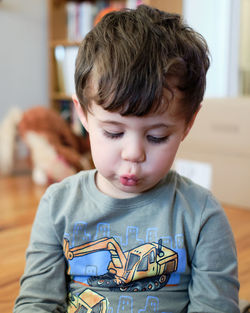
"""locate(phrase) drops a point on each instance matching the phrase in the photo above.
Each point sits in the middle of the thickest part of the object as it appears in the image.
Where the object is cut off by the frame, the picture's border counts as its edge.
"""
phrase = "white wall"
(219, 22)
(23, 54)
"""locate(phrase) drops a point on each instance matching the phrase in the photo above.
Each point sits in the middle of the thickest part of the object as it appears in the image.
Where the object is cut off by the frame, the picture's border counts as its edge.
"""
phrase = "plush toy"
(56, 151)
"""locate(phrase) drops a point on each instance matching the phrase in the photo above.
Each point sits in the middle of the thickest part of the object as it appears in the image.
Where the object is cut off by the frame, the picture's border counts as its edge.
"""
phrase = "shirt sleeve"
(214, 285)
(43, 285)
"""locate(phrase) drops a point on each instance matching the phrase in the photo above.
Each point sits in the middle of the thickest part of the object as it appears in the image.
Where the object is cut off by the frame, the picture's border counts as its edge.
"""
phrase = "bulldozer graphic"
(146, 267)
(88, 302)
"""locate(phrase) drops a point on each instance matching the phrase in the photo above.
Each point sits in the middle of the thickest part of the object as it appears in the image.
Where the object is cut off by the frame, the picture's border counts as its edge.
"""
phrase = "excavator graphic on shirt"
(146, 267)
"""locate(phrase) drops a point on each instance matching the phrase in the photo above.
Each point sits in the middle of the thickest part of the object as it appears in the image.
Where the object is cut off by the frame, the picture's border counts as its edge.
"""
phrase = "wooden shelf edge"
(65, 43)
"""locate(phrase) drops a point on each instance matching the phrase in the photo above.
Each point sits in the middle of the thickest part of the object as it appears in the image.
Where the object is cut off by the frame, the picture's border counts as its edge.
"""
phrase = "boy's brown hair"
(133, 58)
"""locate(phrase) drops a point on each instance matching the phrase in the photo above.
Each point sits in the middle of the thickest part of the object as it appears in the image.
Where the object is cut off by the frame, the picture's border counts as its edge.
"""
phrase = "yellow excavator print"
(146, 267)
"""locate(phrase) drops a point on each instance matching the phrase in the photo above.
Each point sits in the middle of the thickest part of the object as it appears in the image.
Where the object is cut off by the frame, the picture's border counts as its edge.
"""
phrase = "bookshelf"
(66, 29)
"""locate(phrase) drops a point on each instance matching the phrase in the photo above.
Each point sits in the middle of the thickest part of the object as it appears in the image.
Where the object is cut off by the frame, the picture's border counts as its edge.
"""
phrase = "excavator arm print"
(146, 267)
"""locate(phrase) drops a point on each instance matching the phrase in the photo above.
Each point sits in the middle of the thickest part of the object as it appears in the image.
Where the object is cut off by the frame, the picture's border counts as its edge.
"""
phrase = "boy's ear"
(81, 114)
(190, 124)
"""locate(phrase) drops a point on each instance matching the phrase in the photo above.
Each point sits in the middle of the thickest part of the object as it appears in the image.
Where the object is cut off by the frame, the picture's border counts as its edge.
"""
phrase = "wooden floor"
(19, 198)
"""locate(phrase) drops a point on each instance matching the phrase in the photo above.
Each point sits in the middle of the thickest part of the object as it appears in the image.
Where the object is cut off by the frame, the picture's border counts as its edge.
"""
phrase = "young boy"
(132, 235)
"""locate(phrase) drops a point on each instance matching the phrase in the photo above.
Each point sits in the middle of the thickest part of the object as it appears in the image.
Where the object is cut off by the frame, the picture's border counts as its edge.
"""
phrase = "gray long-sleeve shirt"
(170, 249)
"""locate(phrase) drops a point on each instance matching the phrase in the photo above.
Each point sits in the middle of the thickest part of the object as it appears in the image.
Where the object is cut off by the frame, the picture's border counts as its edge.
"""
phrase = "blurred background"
(25, 45)
(39, 42)
(38, 46)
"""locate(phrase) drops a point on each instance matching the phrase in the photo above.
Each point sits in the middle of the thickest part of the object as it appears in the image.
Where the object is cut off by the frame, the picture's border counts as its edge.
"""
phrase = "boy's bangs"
(130, 101)
(132, 93)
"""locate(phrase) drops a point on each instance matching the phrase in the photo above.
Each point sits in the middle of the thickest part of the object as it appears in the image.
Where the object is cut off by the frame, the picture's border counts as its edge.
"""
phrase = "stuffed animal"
(8, 140)
(56, 151)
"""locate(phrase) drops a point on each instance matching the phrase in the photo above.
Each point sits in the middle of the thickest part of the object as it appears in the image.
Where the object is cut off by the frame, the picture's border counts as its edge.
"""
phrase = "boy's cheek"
(101, 151)
(165, 157)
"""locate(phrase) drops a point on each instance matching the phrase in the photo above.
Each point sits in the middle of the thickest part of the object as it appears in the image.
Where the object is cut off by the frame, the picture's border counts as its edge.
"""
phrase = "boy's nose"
(134, 152)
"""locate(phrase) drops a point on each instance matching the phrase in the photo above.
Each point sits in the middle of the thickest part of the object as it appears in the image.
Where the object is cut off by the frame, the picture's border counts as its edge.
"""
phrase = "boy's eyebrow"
(111, 122)
(159, 125)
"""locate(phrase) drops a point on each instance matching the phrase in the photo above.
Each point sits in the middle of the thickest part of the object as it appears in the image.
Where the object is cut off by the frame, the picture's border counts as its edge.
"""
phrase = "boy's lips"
(128, 180)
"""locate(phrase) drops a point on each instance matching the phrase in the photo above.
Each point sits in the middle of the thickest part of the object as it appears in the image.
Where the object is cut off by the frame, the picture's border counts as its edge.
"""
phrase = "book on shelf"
(81, 15)
(68, 113)
(66, 110)
(65, 65)
(71, 20)
(59, 57)
(80, 18)
(87, 12)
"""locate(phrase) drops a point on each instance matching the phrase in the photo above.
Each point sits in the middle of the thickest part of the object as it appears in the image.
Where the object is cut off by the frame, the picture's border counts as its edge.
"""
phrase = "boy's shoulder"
(185, 184)
(69, 184)
(194, 194)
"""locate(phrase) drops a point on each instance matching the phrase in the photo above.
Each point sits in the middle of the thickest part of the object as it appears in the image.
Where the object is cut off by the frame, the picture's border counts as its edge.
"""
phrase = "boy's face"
(131, 154)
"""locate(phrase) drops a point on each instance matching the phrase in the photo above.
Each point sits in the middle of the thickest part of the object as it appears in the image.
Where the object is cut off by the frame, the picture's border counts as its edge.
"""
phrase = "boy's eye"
(154, 139)
(112, 135)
